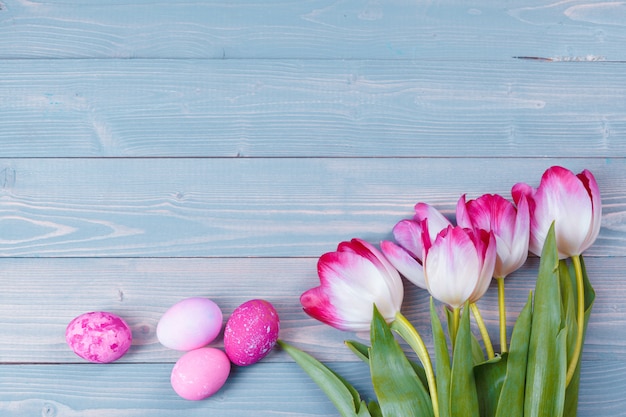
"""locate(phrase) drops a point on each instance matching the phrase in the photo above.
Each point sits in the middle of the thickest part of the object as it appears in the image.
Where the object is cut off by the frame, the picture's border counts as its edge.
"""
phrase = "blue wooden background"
(151, 151)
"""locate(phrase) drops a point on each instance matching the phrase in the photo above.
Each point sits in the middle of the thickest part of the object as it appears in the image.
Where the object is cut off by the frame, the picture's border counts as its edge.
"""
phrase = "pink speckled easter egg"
(98, 336)
(200, 373)
(251, 332)
(190, 324)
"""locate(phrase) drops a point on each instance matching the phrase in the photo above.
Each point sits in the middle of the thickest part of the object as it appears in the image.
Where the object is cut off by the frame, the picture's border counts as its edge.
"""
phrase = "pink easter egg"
(190, 324)
(98, 336)
(251, 332)
(200, 373)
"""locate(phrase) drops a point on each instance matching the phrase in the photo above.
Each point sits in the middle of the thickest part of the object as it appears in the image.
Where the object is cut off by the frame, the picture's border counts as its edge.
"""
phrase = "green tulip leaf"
(477, 352)
(343, 395)
(463, 396)
(362, 352)
(359, 349)
(490, 377)
(571, 393)
(374, 409)
(567, 284)
(511, 400)
(547, 349)
(450, 320)
(478, 355)
(364, 411)
(398, 388)
(442, 362)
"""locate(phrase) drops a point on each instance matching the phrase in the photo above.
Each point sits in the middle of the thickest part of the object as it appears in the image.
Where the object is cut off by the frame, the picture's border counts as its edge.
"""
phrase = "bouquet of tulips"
(536, 373)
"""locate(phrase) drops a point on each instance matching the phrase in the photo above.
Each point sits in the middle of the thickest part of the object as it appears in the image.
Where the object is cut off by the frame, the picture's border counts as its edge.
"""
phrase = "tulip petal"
(563, 198)
(317, 304)
(391, 276)
(408, 234)
(339, 300)
(571, 201)
(386, 270)
(492, 212)
(436, 221)
(462, 216)
(352, 279)
(355, 285)
(537, 238)
(408, 266)
(452, 268)
(518, 250)
(590, 184)
(486, 250)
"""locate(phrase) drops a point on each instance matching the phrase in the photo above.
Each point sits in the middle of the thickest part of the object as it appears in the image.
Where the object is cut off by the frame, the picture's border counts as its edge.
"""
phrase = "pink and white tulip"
(571, 201)
(459, 264)
(353, 279)
(406, 253)
(510, 225)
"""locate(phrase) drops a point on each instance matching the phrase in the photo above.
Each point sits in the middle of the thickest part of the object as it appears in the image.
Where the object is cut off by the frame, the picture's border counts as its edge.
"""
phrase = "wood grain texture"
(142, 390)
(269, 389)
(41, 296)
(327, 29)
(304, 108)
(254, 207)
(154, 151)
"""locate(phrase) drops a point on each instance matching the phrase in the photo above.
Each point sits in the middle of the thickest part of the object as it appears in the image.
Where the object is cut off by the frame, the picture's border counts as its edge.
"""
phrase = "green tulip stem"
(580, 292)
(406, 330)
(456, 319)
(502, 308)
(483, 330)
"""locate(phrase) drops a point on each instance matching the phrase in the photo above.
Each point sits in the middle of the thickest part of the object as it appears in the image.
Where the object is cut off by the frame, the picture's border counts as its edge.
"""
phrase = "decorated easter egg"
(98, 336)
(190, 324)
(200, 373)
(251, 332)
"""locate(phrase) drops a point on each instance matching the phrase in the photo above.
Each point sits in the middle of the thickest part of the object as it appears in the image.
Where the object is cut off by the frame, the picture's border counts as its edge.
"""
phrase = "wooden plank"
(41, 296)
(269, 108)
(268, 389)
(140, 390)
(352, 29)
(253, 207)
(151, 152)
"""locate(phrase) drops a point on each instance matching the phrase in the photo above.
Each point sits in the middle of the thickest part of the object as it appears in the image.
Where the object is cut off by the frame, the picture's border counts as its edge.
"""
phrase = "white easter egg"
(190, 324)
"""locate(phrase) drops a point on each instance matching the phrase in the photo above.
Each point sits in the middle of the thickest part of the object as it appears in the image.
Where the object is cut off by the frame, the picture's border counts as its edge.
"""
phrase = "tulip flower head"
(510, 225)
(459, 264)
(406, 253)
(571, 201)
(353, 279)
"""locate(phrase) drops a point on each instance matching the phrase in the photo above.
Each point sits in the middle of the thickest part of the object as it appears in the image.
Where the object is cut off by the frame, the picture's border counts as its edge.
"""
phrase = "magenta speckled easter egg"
(251, 332)
(190, 324)
(98, 336)
(200, 373)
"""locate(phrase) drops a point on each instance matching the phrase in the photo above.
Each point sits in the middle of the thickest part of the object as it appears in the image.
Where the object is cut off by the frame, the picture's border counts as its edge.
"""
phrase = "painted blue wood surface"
(141, 289)
(109, 207)
(153, 151)
(142, 390)
(319, 29)
(305, 108)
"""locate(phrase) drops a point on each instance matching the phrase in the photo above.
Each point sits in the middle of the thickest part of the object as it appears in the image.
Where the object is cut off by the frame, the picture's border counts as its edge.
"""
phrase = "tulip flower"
(510, 225)
(511, 228)
(406, 253)
(353, 279)
(572, 203)
(458, 266)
